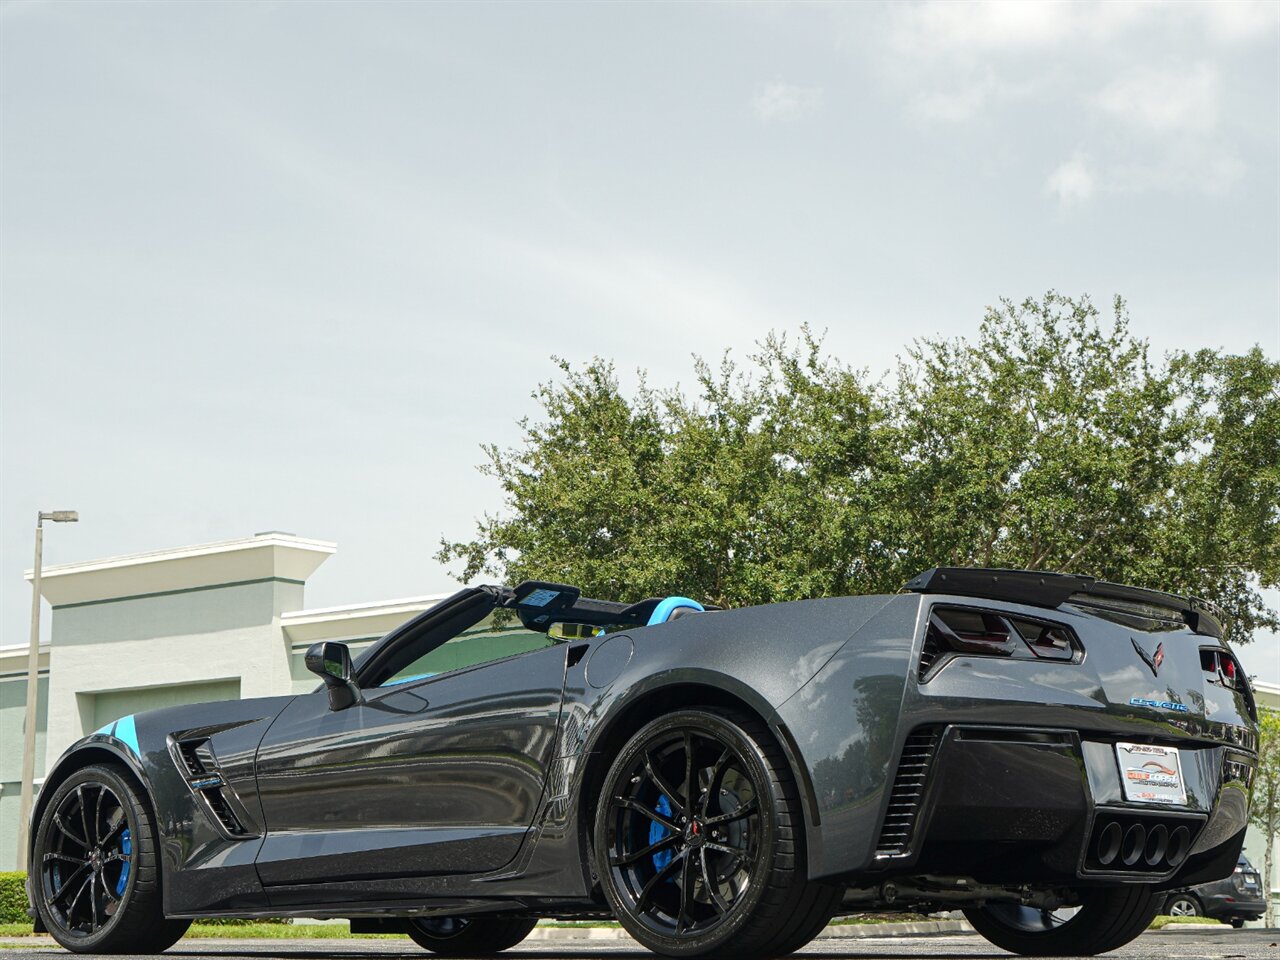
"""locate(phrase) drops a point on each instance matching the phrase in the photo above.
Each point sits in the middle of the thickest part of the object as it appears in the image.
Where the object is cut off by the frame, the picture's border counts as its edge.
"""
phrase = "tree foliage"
(1050, 440)
(1264, 807)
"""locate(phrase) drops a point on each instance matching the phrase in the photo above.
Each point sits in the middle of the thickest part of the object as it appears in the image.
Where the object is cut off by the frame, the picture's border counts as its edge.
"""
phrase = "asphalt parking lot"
(1212, 943)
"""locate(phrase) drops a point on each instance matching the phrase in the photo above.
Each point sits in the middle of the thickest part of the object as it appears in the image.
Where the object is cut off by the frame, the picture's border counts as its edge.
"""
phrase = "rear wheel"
(699, 841)
(96, 873)
(1182, 905)
(1105, 919)
(468, 936)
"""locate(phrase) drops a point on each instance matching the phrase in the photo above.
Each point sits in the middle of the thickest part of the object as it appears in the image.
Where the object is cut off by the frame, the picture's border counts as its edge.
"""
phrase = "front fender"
(101, 746)
(98, 747)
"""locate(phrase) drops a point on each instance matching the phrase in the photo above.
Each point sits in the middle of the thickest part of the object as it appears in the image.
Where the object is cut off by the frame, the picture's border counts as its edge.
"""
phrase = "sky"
(285, 266)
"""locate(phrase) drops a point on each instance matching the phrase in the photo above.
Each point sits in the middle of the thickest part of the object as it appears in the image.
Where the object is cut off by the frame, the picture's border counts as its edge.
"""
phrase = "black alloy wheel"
(468, 936)
(94, 870)
(1104, 919)
(699, 844)
(85, 865)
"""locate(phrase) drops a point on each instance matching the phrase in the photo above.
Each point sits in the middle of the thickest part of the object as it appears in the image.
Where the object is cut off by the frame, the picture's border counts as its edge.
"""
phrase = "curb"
(840, 931)
(1199, 928)
(578, 933)
(920, 928)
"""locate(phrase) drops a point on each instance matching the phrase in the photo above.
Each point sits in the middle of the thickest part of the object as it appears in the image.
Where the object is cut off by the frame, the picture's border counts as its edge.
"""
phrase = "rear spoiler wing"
(1039, 589)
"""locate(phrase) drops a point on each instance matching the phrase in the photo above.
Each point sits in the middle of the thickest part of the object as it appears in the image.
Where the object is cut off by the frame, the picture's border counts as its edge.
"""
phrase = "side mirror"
(331, 662)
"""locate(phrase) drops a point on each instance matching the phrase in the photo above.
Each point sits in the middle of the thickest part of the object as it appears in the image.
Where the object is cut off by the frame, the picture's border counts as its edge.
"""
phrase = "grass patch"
(1162, 921)
(864, 918)
(253, 931)
(282, 931)
(342, 931)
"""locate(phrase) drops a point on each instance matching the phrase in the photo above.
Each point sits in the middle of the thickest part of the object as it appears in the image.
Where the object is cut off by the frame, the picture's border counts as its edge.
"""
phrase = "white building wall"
(13, 708)
(221, 633)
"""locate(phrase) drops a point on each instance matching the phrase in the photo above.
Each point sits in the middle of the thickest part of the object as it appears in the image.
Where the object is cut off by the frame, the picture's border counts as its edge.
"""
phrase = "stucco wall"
(13, 706)
(166, 647)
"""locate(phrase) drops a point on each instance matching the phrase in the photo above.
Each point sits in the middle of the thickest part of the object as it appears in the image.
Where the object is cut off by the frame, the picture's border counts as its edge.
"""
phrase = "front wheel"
(95, 870)
(699, 841)
(468, 936)
(1105, 919)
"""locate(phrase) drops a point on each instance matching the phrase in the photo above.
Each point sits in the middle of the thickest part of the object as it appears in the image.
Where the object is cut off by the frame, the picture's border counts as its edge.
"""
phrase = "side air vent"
(930, 652)
(223, 812)
(907, 793)
(197, 761)
(187, 750)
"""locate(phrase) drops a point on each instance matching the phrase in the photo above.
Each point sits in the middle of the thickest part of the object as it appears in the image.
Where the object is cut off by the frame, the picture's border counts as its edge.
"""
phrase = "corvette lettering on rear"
(1159, 704)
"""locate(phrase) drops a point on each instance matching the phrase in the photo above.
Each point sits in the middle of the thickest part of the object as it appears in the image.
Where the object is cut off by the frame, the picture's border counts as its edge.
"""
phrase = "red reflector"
(1228, 668)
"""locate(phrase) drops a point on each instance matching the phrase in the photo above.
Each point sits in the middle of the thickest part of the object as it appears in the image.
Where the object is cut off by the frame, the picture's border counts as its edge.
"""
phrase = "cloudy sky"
(286, 266)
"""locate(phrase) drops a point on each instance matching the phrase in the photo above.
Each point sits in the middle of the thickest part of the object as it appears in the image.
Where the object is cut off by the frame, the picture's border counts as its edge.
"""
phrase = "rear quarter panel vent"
(907, 793)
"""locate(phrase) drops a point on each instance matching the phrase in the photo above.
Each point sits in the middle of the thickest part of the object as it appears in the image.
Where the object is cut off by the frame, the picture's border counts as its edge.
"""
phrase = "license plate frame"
(1151, 774)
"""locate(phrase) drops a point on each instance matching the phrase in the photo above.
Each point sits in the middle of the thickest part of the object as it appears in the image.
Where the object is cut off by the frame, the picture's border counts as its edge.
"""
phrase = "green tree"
(1050, 440)
(1264, 809)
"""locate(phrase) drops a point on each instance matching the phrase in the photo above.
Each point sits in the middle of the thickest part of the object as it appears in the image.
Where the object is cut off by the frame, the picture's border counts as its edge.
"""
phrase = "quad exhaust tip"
(1156, 848)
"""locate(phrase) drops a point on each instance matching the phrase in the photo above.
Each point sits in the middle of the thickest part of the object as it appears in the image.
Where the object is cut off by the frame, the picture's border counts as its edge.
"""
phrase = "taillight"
(963, 630)
(1221, 668)
(1046, 640)
(972, 631)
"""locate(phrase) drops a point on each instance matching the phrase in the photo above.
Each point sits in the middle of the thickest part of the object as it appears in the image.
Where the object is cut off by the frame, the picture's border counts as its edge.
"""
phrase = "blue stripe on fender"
(127, 734)
(663, 610)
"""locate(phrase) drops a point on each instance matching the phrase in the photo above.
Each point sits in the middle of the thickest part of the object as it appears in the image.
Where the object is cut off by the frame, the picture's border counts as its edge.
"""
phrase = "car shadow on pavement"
(570, 953)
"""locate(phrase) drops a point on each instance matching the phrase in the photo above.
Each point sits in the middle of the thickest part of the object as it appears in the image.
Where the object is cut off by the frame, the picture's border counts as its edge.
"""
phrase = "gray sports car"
(1047, 752)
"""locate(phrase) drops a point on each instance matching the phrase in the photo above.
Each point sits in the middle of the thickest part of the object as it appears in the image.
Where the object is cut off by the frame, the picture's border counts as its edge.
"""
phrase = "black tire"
(1237, 923)
(1182, 905)
(735, 886)
(1108, 918)
(97, 836)
(468, 936)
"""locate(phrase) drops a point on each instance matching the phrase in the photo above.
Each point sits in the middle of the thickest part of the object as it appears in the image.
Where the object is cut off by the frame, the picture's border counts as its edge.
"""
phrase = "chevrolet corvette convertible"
(1046, 752)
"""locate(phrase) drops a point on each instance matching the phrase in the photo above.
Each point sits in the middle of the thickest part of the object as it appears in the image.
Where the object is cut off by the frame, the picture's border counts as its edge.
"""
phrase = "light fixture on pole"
(33, 685)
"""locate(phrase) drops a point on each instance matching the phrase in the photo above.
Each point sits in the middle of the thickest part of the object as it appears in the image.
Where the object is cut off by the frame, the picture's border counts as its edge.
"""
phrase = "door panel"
(441, 775)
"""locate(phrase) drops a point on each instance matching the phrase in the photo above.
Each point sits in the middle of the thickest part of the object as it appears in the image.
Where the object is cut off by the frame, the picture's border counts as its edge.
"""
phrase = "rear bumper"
(1016, 805)
(1222, 906)
(1003, 766)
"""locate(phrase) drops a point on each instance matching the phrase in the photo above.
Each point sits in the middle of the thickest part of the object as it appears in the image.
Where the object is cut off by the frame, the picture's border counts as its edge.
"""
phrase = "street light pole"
(33, 685)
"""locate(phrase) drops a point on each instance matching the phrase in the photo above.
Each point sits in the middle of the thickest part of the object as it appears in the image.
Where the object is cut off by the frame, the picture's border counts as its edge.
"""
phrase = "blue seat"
(666, 610)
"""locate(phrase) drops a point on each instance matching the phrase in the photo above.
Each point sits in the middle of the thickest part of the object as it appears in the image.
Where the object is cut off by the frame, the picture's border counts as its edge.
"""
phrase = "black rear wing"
(1039, 589)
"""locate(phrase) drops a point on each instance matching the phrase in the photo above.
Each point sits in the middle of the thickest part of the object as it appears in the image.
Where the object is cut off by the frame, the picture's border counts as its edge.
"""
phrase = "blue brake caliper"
(126, 850)
(657, 832)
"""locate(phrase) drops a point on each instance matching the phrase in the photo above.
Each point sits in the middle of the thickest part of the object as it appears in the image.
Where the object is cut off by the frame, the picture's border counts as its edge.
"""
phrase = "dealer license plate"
(1151, 774)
